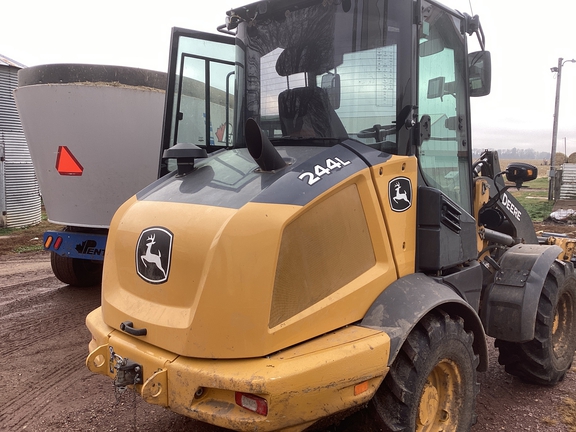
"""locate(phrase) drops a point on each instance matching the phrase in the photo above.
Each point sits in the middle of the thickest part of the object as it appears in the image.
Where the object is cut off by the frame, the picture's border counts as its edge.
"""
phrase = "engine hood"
(231, 262)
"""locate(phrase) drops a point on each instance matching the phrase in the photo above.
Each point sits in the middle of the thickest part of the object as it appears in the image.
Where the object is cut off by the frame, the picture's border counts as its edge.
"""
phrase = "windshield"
(326, 72)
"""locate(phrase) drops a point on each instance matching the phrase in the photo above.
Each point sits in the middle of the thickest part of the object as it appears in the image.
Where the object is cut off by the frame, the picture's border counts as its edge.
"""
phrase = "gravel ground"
(45, 386)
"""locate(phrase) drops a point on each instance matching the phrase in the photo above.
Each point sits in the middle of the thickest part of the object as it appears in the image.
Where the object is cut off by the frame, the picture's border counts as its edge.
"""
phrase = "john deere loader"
(320, 240)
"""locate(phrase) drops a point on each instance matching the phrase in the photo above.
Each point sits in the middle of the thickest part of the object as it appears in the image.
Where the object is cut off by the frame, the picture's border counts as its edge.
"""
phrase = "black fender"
(407, 300)
(509, 304)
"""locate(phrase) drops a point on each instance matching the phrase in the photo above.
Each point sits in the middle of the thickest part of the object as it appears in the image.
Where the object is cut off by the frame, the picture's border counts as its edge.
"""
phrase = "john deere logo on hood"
(153, 253)
(400, 194)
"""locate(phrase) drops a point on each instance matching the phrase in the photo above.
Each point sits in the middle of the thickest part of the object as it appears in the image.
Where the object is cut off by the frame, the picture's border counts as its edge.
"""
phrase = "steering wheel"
(377, 132)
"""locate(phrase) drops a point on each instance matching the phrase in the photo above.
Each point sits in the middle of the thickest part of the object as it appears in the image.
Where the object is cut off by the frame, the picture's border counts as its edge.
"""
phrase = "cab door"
(199, 107)
(446, 234)
(442, 63)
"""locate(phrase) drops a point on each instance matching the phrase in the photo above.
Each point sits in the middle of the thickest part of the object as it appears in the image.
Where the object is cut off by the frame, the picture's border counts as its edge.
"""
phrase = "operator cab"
(320, 73)
(333, 72)
(312, 75)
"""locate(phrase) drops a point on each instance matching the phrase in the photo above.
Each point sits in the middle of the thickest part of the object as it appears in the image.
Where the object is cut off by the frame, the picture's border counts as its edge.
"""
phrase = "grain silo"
(20, 203)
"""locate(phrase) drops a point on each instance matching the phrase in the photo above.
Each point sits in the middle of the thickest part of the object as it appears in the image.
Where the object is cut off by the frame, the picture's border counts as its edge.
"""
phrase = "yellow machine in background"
(320, 240)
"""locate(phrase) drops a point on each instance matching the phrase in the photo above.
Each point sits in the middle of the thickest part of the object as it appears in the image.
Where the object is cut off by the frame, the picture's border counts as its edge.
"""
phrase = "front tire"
(432, 384)
(546, 359)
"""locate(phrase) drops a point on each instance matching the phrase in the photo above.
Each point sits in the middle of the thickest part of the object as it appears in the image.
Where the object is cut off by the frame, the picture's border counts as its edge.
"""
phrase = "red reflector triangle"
(66, 163)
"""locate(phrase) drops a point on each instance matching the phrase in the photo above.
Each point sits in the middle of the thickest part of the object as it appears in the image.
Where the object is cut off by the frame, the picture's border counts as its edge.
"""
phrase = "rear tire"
(432, 384)
(76, 272)
(545, 359)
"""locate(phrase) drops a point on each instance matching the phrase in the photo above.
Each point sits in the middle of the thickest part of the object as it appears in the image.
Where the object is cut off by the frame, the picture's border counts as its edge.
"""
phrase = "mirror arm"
(481, 37)
(472, 25)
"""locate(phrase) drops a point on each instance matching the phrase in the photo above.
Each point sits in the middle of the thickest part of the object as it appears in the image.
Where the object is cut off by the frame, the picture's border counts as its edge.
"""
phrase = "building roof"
(6, 61)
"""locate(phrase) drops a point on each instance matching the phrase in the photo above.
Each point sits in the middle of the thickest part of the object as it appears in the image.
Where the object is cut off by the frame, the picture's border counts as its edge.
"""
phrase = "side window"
(198, 122)
(442, 96)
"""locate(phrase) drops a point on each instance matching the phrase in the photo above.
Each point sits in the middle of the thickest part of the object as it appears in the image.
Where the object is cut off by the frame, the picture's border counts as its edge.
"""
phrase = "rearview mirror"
(438, 87)
(331, 85)
(479, 73)
(519, 172)
(430, 47)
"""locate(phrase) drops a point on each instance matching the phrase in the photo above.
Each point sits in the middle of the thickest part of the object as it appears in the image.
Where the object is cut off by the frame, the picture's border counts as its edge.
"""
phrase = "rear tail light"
(57, 243)
(252, 403)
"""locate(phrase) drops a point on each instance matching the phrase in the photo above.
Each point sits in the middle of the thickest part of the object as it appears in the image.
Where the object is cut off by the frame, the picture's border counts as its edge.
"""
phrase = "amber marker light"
(48, 242)
(360, 388)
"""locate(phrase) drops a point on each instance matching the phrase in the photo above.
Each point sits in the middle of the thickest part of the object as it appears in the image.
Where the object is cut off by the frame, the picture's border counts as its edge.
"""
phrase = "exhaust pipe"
(260, 147)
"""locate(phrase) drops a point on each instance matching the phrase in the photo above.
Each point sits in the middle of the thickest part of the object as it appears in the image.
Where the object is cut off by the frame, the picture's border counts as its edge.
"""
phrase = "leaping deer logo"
(151, 258)
(400, 196)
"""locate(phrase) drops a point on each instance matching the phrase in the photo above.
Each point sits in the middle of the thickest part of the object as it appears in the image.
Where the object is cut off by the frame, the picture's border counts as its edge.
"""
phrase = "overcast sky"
(525, 39)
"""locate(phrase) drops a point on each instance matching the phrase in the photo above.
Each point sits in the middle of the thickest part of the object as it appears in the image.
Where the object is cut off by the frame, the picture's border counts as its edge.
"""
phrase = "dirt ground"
(45, 386)
(557, 228)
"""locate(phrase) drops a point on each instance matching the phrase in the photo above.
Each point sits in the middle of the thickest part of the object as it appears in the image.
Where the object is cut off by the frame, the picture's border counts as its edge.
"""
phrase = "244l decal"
(319, 170)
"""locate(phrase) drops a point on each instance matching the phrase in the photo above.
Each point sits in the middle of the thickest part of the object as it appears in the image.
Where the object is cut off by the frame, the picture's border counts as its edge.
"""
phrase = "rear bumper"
(72, 244)
(301, 384)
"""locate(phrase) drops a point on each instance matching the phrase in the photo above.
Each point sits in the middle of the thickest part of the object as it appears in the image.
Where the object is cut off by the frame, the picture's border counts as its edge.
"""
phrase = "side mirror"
(479, 73)
(519, 172)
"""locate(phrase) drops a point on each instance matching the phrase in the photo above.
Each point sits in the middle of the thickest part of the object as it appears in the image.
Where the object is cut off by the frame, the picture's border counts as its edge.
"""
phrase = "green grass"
(534, 198)
(23, 240)
(538, 210)
(33, 248)
(16, 231)
(539, 183)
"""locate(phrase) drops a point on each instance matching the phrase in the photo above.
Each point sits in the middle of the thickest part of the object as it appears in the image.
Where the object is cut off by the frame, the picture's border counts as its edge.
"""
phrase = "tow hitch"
(127, 371)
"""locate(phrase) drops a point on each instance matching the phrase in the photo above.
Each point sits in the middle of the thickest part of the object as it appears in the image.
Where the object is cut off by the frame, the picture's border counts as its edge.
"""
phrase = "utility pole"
(552, 174)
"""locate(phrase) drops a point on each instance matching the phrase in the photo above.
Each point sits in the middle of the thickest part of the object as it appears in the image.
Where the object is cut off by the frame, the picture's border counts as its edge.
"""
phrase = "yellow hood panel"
(227, 293)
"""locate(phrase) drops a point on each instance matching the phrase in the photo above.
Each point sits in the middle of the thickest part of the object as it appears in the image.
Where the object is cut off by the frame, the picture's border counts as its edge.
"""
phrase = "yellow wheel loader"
(320, 240)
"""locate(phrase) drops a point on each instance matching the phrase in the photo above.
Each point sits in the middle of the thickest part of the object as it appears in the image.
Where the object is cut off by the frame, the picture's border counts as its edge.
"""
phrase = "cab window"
(443, 155)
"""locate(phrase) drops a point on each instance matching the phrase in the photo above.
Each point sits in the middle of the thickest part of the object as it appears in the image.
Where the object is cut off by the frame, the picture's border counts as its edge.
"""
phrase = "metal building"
(20, 203)
(568, 188)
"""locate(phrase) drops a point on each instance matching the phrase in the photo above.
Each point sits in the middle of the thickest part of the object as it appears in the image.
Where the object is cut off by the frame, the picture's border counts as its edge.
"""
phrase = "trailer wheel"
(76, 272)
(545, 359)
(432, 384)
